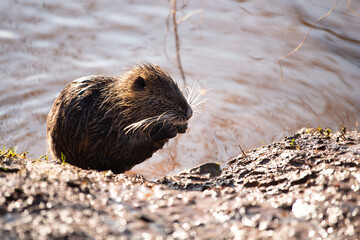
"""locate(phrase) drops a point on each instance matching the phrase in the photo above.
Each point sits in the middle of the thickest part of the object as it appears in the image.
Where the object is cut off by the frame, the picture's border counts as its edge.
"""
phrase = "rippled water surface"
(231, 47)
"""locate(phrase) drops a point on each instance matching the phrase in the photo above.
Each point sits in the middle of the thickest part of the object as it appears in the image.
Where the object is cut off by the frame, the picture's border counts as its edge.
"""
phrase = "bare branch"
(177, 42)
(351, 10)
(242, 151)
(187, 16)
(303, 41)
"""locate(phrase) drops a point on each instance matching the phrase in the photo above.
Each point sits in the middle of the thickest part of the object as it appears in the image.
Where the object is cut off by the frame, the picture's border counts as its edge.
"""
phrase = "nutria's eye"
(139, 84)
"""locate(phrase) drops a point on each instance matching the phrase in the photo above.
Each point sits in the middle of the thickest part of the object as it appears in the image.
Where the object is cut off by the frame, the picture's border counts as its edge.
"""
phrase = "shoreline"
(303, 186)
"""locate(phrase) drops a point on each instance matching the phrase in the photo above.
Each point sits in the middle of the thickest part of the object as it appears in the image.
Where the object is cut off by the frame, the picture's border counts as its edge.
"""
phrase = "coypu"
(103, 122)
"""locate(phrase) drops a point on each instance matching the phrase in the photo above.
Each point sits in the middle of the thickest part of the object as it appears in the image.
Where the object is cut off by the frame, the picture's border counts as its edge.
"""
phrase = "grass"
(63, 159)
(322, 131)
(11, 152)
(44, 157)
(328, 131)
(343, 132)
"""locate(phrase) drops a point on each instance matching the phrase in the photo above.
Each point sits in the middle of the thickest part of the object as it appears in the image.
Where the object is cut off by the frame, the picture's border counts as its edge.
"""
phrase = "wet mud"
(305, 186)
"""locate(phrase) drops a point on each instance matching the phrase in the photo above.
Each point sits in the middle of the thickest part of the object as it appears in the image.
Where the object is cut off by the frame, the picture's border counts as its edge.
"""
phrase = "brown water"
(231, 47)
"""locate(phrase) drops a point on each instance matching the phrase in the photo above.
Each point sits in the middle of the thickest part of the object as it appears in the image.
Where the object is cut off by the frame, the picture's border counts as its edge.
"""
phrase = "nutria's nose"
(189, 113)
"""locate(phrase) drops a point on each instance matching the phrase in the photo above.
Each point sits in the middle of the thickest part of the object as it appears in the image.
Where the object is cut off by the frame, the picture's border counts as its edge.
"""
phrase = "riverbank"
(304, 186)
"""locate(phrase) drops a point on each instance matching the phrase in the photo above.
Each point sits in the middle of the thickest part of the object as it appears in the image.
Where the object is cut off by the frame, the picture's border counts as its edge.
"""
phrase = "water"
(231, 47)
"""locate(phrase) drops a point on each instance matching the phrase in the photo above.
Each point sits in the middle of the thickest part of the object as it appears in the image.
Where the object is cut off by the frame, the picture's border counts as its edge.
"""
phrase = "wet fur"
(97, 122)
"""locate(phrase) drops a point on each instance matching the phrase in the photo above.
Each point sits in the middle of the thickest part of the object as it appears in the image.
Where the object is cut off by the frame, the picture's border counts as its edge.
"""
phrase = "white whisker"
(147, 122)
(199, 103)
(194, 95)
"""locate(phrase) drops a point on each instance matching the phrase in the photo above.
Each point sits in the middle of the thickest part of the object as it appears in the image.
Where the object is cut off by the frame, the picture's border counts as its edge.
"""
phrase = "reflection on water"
(232, 49)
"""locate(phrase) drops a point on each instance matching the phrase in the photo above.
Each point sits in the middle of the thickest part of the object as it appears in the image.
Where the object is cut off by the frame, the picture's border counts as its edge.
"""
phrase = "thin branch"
(172, 17)
(243, 151)
(173, 2)
(167, 23)
(303, 41)
(187, 16)
(351, 10)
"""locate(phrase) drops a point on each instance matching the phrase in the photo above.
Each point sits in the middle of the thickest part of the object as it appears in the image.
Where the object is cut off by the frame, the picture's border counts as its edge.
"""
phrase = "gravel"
(305, 186)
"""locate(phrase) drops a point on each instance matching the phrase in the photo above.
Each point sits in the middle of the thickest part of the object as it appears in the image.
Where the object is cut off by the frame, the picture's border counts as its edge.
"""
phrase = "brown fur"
(93, 121)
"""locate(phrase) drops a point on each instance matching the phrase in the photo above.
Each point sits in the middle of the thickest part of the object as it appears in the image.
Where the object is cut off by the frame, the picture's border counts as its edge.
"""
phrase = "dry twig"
(306, 36)
(172, 18)
(242, 151)
(351, 10)
(173, 13)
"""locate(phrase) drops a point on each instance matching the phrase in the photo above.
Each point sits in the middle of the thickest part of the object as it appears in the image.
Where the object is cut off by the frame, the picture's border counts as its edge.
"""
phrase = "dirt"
(303, 187)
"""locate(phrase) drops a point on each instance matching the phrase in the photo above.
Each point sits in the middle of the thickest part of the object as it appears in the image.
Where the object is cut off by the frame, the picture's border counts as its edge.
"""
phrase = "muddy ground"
(303, 187)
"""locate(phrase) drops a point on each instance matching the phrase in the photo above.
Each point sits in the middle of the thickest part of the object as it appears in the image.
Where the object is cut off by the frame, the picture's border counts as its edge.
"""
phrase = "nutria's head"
(148, 95)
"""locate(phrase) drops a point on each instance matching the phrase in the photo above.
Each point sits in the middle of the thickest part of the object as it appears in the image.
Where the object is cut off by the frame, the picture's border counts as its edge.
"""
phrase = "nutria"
(103, 122)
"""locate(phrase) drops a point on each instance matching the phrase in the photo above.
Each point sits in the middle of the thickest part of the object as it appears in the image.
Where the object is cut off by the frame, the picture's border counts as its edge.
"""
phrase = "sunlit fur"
(193, 97)
(102, 122)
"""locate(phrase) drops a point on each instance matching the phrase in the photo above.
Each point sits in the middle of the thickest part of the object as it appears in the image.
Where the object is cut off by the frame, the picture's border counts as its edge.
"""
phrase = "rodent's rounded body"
(102, 123)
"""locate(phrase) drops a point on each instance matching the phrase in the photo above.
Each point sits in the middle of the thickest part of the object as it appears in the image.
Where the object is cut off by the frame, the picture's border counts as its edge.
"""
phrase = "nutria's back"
(101, 122)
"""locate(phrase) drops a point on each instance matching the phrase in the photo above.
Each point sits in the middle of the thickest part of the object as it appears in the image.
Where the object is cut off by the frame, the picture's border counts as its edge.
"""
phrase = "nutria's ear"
(139, 84)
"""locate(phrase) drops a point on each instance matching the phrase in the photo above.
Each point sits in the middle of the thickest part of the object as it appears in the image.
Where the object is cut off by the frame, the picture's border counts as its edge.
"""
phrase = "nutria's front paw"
(170, 131)
(165, 132)
(181, 128)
